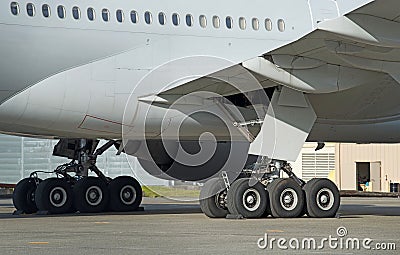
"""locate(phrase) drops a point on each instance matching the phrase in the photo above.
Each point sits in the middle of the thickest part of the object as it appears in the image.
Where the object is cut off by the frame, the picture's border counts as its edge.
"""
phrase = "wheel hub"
(128, 195)
(94, 195)
(58, 197)
(325, 199)
(289, 199)
(220, 199)
(251, 199)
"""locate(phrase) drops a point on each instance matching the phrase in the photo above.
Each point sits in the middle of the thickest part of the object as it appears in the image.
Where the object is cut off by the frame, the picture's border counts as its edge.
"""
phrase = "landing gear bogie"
(73, 190)
(291, 197)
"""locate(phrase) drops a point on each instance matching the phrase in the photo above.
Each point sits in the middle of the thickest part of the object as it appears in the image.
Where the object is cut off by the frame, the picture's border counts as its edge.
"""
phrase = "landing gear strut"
(72, 190)
(259, 191)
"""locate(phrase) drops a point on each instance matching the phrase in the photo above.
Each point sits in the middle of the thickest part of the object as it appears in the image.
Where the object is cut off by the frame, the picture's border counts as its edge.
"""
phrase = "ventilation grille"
(317, 165)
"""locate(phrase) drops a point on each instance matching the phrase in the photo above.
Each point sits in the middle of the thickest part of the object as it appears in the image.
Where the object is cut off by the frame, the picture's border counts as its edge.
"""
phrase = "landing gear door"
(286, 126)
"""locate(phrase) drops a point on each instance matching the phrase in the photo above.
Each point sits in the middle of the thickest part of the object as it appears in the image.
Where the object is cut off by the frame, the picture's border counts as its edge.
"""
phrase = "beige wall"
(348, 154)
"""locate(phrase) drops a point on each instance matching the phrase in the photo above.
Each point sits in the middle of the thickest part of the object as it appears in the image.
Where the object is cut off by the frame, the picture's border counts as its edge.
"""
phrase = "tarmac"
(169, 227)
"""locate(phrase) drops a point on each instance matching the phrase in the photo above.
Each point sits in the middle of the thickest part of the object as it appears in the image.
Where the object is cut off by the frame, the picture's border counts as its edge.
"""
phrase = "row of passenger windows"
(148, 17)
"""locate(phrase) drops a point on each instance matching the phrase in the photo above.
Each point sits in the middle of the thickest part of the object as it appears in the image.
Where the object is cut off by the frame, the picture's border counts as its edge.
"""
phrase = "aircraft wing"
(340, 54)
(358, 50)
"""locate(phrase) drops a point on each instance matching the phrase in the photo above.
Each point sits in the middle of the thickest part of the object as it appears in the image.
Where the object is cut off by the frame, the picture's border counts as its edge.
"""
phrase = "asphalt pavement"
(170, 227)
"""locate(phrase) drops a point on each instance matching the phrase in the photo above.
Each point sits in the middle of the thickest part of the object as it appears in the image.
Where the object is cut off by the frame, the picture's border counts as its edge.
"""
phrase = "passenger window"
(91, 14)
(216, 22)
(61, 11)
(46, 10)
(255, 24)
(14, 8)
(134, 17)
(175, 19)
(268, 24)
(148, 18)
(105, 13)
(203, 21)
(242, 23)
(229, 22)
(30, 9)
(120, 16)
(161, 18)
(281, 25)
(189, 20)
(76, 12)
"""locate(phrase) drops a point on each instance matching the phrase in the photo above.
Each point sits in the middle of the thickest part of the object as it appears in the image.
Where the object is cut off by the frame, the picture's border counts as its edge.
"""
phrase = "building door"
(363, 172)
(368, 174)
(376, 176)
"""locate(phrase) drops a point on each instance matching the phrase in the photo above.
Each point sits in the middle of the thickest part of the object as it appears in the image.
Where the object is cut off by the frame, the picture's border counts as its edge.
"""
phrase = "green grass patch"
(164, 191)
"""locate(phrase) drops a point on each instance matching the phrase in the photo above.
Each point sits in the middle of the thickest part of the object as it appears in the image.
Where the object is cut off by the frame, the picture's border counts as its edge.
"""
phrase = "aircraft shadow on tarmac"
(345, 211)
(357, 209)
(169, 208)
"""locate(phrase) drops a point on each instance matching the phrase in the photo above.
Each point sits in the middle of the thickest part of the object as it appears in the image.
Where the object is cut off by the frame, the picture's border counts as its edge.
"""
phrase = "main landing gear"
(68, 193)
(270, 195)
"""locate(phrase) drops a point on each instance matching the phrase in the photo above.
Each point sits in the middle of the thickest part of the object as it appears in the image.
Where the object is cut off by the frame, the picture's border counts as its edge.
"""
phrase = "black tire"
(211, 192)
(24, 195)
(248, 201)
(286, 198)
(304, 212)
(322, 198)
(90, 195)
(268, 210)
(54, 195)
(125, 194)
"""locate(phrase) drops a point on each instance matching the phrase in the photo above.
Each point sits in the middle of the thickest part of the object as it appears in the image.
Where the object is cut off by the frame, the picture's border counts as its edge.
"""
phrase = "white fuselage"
(67, 77)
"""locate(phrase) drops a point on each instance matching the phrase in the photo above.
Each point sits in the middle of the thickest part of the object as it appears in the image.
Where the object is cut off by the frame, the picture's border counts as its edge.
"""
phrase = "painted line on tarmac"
(101, 222)
(274, 231)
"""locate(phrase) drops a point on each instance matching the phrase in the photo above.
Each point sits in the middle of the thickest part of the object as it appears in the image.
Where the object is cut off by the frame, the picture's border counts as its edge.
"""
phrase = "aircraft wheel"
(24, 195)
(212, 198)
(248, 201)
(54, 195)
(125, 194)
(286, 198)
(322, 198)
(90, 195)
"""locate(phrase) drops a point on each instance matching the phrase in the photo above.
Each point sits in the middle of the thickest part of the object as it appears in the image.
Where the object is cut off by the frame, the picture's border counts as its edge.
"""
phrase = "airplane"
(219, 92)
